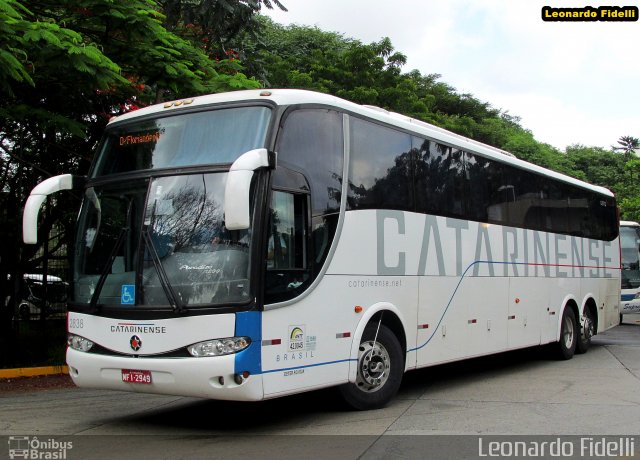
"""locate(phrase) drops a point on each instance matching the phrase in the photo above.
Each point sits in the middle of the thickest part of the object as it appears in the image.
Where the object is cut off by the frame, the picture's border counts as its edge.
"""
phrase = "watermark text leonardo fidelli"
(585, 446)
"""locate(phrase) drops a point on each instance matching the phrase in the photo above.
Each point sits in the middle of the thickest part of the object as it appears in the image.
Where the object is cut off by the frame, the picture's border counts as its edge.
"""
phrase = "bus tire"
(587, 331)
(24, 312)
(380, 369)
(566, 346)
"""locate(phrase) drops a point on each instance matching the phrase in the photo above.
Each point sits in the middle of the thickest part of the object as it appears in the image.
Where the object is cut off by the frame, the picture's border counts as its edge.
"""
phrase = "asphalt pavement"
(442, 409)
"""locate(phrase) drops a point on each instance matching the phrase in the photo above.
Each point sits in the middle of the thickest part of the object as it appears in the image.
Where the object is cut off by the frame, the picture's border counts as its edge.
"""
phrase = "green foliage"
(216, 22)
(620, 173)
(65, 68)
(596, 165)
(628, 145)
(627, 190)
(309, 58)
(12, 55)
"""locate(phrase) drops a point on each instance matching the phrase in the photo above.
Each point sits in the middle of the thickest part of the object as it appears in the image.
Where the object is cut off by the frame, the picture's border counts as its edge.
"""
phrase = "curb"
(32, 371)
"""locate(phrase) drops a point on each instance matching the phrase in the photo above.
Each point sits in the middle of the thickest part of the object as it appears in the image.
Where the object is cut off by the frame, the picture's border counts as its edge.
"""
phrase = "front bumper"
(211, 378)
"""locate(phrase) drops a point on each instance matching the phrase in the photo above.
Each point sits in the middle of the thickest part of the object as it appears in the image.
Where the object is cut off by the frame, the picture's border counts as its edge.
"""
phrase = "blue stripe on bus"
(449, 304)
(625, 297)
(249, 324)
(472, 264)
(477, 262)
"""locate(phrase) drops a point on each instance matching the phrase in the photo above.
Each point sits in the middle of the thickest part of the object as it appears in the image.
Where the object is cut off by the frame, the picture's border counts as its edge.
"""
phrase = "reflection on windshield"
(106, 243)
(216, 136)
(204, 262)
(160, 244)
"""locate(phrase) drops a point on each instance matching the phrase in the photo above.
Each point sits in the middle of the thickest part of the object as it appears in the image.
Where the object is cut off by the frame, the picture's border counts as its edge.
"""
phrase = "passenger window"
(439, 179)
(525, 190)
(381, 167)
(287, 262)
(312, 143)
(489, 195)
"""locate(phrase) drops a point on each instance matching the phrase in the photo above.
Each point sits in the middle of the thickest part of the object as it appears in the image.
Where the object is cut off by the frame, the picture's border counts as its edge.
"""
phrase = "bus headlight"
(219, 347)
(79, 343)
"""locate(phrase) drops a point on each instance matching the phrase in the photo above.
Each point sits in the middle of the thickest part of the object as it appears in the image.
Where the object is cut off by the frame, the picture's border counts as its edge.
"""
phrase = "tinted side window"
(604, 217)
(553, 208)
(286, 247)
(439, 179)
(489, 194)
(293, 181)
(388, 172)
(380, 167)
(524, 193)
(579, 222)
(287, 263)
(311, 141)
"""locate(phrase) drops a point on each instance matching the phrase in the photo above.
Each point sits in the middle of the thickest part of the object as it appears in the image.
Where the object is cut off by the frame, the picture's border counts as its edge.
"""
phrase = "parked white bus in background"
(256, 244)
(630, 276)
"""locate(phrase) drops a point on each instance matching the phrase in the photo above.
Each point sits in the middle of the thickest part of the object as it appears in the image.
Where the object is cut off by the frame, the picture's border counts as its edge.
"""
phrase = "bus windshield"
(630, 246)
(200, 138)
(160, 242)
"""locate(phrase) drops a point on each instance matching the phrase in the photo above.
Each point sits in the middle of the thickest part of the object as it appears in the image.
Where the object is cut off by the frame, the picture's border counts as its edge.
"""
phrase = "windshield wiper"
(107, 269)
(174, 300)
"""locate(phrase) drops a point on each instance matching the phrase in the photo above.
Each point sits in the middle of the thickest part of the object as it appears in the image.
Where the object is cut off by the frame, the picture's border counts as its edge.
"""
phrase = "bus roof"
(284, 97)
(628, 223)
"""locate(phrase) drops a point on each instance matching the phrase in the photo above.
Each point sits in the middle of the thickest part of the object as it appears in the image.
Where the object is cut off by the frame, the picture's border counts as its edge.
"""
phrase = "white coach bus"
(256, 244)
(630, 276)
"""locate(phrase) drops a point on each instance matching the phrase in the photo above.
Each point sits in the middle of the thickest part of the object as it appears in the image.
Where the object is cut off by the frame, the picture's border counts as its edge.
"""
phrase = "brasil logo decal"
(296, 338)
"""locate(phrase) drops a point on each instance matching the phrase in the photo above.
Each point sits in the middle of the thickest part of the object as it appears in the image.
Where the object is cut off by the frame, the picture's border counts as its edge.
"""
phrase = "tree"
(371, 74)
(218, 27)
(595, 164)
(219, 21)
(67, 67)
(309, 58)
(627, 145)
(627, 194)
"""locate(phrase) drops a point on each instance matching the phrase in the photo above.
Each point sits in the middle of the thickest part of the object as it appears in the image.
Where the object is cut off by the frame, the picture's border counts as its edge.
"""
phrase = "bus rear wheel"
(380, 370)
(569, 332)
(587, 331)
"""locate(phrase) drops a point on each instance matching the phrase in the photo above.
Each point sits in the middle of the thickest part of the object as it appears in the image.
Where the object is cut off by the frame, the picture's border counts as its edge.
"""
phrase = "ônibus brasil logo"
(135, 343)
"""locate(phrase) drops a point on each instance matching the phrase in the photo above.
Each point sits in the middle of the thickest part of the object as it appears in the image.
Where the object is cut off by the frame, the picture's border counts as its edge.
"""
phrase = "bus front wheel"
(380, 370)
(569, 335)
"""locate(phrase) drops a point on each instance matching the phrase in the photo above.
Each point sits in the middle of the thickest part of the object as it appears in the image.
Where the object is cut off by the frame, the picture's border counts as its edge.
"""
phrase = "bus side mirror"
(38, 195)
(236, 192)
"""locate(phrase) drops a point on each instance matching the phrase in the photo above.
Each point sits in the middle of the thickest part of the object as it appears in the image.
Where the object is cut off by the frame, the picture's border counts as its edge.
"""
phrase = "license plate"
(134, 376)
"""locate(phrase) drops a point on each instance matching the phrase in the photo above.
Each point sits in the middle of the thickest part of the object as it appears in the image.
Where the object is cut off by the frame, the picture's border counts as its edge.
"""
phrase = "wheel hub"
(373, 366)
(587, 329)
(568, 332)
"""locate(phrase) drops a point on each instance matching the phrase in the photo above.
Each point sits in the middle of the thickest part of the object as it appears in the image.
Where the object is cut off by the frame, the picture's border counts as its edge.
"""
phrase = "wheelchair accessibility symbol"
(128, 295)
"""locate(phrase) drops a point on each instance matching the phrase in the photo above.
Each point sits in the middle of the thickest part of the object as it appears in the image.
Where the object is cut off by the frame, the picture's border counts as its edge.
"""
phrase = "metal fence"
(33, 323)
